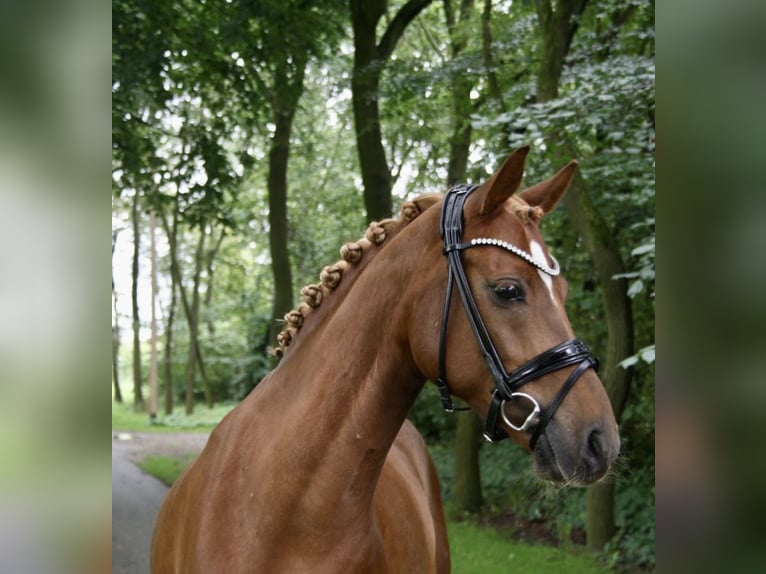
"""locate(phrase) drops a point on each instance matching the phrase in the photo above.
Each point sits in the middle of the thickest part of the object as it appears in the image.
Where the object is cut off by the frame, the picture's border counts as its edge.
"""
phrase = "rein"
(507, 384)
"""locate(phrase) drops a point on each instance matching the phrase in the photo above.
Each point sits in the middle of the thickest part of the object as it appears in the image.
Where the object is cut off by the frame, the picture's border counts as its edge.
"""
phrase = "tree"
(191, 310)
(370, 56)
(461, 83)
(468, 434)
(170, 131)
(558, 26)
(289, 71)
(168, 348)
(138, 397)
(273, 43)
(115, 333)
(153, 366)
(192, 315)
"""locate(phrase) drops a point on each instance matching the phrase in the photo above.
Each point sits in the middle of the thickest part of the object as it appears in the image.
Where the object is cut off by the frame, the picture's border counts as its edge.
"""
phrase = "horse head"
(506, 346)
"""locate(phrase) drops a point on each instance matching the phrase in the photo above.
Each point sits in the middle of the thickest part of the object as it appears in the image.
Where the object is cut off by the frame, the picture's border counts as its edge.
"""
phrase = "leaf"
(635, 288)
(647, 354)
(629, 275)
(629, 362)
(641, 249)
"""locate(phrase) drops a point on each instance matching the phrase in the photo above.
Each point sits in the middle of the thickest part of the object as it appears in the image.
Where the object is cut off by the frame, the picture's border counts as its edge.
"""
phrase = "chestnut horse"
(317, 470)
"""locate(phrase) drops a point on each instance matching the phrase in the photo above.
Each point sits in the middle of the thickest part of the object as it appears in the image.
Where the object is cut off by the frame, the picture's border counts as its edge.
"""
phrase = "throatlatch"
(507, 384)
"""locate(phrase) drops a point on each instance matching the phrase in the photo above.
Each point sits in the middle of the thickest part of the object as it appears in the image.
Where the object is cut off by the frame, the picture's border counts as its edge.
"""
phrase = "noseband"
(507, 384)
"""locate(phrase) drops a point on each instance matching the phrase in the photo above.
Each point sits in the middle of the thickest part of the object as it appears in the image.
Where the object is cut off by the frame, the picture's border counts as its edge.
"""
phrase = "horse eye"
(508, 292)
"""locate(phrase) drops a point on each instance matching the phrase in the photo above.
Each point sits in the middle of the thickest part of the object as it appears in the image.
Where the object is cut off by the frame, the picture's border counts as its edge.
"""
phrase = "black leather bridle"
(507, 384)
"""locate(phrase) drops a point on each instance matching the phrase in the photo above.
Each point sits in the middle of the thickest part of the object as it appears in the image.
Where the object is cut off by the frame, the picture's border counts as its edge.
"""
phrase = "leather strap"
(551, 409)
(567, 353)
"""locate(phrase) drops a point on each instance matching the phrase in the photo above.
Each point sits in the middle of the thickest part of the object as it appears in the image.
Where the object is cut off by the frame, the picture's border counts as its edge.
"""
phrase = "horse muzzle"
(576, 459)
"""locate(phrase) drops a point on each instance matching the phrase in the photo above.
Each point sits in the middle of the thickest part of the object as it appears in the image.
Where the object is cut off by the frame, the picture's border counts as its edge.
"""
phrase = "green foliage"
(644, 253)
(634, 543)
(428, 416)
(509, 483)
(203, 418)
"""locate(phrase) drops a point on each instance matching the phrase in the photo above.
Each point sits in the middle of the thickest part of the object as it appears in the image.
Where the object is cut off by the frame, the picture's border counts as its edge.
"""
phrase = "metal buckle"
(532, 418)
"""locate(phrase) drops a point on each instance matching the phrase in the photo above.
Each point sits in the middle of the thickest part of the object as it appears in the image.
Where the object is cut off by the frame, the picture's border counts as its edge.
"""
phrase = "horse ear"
(504, 183)
(547, 194)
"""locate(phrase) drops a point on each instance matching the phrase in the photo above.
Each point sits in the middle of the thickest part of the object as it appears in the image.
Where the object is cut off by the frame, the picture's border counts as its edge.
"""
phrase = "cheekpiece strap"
(452, 207)
(493, 432)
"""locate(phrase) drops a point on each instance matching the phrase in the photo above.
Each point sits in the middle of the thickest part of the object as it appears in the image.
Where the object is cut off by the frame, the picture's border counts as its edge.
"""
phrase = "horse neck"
(351, 381)
(359, 349)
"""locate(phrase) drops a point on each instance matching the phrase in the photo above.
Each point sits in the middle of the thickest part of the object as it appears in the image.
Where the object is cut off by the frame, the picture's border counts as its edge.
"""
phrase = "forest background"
(251, 139)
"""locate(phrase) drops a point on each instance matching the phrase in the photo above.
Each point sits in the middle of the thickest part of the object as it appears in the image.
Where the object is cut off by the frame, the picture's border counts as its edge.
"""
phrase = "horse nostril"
(596, 448)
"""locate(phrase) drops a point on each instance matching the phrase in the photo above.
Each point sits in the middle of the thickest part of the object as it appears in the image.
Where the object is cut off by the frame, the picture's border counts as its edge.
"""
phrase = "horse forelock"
(353, 255)
(524, 211)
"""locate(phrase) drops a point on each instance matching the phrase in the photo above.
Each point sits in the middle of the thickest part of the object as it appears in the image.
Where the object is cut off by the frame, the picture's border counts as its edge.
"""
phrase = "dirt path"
(136, 496)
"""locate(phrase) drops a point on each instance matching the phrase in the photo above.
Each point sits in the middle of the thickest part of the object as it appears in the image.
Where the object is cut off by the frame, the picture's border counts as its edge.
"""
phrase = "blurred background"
(54, 201)
(196, 108)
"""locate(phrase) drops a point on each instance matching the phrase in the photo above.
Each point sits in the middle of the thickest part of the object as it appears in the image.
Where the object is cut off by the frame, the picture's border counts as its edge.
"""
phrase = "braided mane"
(354, 257)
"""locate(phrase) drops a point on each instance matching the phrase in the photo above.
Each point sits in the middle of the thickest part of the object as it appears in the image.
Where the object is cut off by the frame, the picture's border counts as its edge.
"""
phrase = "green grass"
(202, 420)
(474, 549)
(166, 468)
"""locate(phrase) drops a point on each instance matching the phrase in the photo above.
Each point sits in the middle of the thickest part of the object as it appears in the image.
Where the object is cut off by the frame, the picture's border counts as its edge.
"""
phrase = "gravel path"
(137, 496)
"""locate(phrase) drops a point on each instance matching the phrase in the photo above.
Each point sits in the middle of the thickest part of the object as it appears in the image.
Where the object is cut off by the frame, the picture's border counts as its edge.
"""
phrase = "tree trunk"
(191, 318)
(557, 30)
(369, 60)
(284, 107)
(191, 310)
(199, 262)
(365, 79)
(599, 515)
(468, 439)
(138, 397)
(172, 235)
(115, 360)
(467, 493)
(280, 257)
(195, 355)
(168, 352)
(153, 382)
(211, 253)
(115, 335)
(461, 85)
(493, 84)
(599, 505)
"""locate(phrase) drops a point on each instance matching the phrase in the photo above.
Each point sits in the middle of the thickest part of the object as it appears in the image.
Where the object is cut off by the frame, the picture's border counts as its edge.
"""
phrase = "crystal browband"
(552, 271)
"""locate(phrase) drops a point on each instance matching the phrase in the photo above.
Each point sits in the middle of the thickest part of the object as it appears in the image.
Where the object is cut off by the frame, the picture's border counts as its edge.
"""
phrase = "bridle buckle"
(532, 418)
